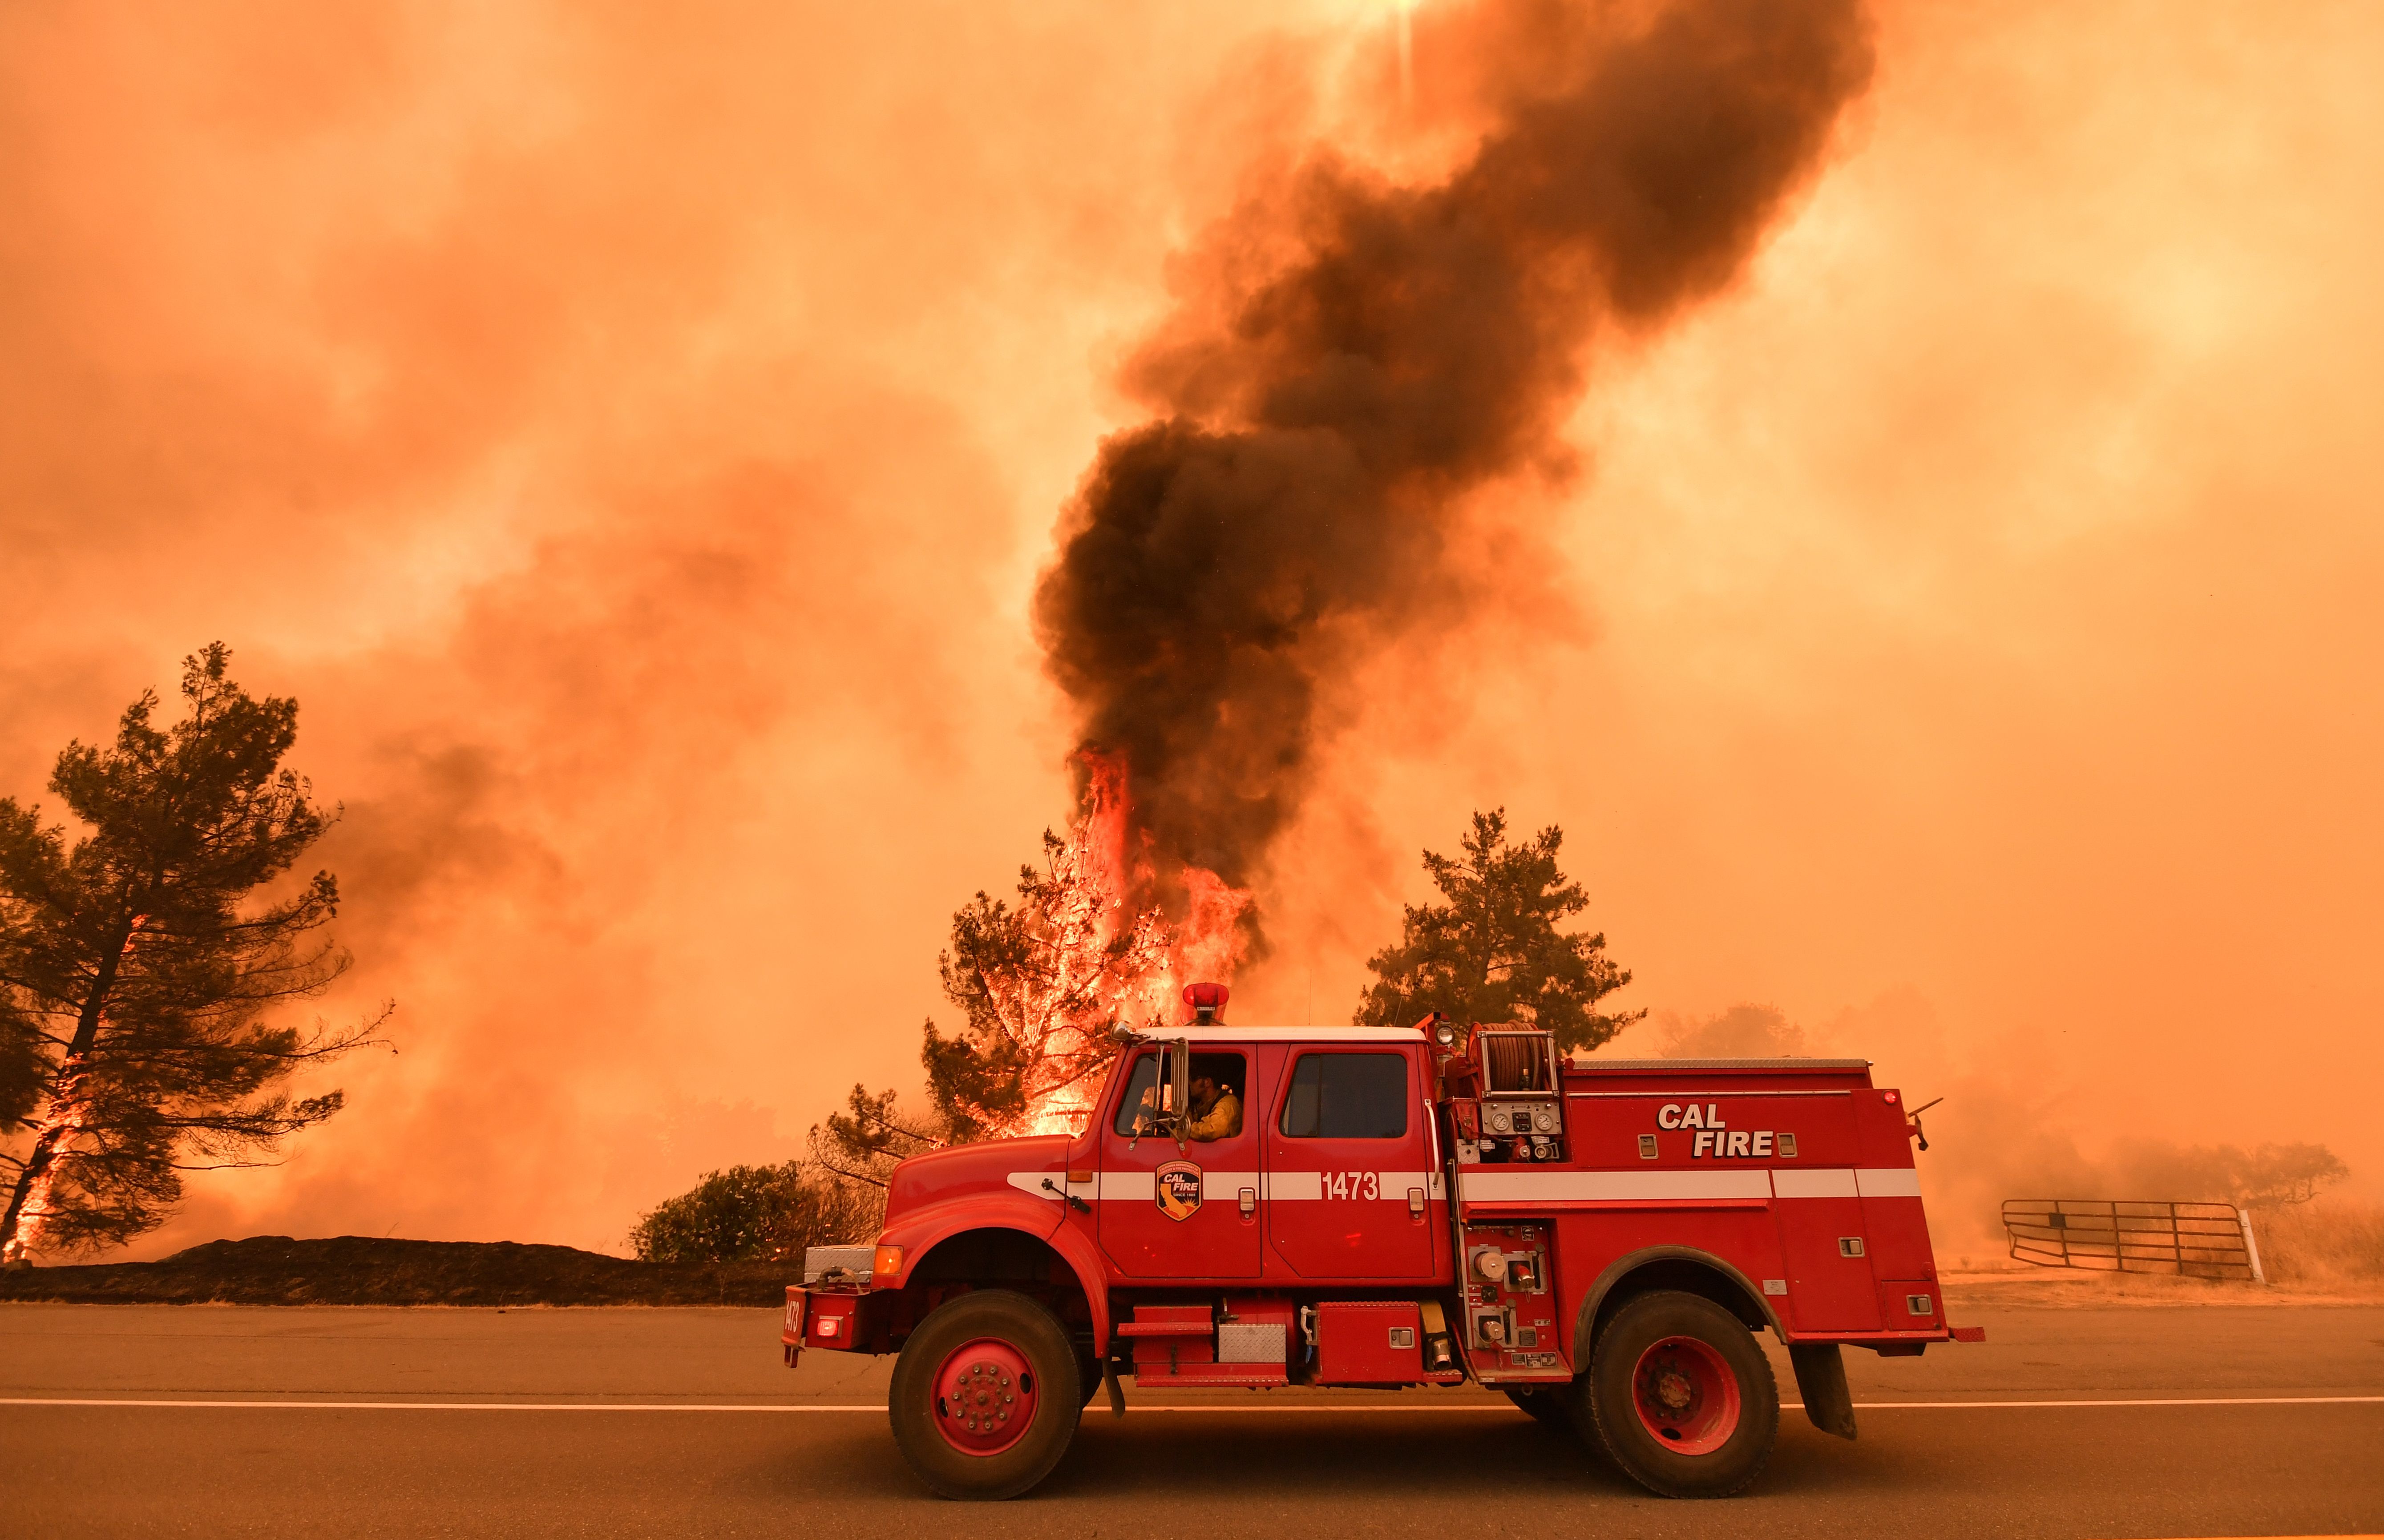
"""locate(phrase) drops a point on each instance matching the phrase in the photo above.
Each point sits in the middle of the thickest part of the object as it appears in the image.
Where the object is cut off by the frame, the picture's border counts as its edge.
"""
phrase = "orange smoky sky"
(635, 439)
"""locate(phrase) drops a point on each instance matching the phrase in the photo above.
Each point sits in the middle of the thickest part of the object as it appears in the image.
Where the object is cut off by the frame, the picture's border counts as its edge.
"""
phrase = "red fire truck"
(1598, 1239)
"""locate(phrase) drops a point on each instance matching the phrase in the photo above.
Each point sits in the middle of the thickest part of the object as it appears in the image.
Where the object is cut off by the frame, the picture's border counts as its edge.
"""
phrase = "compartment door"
(1820, 1210)
(1816, 1194)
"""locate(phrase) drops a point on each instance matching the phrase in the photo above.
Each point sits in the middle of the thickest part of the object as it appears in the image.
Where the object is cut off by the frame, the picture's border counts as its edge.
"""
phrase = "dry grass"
(2321, 1243)
(2327, 1251)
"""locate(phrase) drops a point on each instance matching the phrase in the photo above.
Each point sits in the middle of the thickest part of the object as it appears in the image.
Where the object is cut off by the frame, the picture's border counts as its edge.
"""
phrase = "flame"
(69, 1111)
(1208, 943)
(1112, 956)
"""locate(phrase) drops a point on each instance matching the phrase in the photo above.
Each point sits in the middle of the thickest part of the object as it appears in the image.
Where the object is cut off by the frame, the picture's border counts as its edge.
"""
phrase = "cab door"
(1349, 1160)
(1188, 1213)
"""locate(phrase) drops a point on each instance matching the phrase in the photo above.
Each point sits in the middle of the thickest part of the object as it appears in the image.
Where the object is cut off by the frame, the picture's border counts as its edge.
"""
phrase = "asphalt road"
(623, 1422)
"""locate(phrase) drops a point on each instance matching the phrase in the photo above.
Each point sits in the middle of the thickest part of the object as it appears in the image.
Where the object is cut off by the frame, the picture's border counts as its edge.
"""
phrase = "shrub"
(751, 1213)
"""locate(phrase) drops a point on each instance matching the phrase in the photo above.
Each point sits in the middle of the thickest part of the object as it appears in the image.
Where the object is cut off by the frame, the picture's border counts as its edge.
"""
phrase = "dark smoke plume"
(1323, 421)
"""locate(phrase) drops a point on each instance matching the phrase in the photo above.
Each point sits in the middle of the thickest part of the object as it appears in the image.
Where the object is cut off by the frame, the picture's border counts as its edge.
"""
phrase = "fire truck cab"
(1398, 1207)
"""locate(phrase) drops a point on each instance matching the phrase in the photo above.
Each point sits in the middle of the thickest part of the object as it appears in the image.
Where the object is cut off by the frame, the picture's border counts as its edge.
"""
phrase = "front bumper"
(821, 1317)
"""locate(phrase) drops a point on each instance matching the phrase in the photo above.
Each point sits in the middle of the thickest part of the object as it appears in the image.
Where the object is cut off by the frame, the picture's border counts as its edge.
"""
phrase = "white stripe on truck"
(1137, 1187)
(1493, 1185)
(1821, 1182)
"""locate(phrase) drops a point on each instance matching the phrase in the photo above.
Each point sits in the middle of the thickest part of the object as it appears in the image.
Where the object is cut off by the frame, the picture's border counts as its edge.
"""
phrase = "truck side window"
(1215, 1077)
(1348, 1096)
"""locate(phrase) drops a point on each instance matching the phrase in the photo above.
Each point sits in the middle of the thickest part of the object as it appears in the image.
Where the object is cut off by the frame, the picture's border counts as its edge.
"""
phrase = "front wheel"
(985, 1396)
(1681, 1396)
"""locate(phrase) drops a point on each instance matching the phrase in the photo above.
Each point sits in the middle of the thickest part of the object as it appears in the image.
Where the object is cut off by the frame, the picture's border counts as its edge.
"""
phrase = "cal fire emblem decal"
(1178, 1185)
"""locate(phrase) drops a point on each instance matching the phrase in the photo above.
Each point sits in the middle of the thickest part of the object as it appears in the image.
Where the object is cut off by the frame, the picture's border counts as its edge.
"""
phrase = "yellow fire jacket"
(1224, 1120)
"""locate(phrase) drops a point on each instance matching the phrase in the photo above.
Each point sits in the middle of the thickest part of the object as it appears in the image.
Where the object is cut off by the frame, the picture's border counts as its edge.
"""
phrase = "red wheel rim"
(985, 1396)
(1686, 1395)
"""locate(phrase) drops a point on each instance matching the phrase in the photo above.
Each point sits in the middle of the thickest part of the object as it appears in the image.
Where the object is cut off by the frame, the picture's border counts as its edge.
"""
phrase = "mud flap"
(1821, 1383)
(1110, 1383)
(1438, 1353)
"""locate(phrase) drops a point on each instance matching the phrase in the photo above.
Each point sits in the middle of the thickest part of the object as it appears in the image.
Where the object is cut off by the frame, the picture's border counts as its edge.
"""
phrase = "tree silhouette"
(137, 965)
(1493, 952)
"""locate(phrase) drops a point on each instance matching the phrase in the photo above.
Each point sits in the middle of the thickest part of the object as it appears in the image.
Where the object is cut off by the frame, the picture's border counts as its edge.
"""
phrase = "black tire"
(1703, 1422)
(1008, 1323)
(1548, 1403)
(1088, 1378)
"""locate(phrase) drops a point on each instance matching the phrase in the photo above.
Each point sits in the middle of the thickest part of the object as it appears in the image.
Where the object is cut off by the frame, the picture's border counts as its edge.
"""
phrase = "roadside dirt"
(359, 1270)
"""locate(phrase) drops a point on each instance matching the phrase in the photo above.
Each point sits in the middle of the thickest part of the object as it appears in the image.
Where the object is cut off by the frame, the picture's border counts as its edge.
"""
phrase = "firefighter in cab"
(1216, 1111)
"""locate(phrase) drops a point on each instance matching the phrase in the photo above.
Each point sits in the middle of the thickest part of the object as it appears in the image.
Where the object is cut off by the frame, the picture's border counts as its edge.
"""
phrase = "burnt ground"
(363, 1269)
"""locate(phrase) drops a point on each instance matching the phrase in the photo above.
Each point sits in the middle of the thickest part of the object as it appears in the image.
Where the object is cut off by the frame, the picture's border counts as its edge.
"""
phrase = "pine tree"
(138, 967)
(1493, 952)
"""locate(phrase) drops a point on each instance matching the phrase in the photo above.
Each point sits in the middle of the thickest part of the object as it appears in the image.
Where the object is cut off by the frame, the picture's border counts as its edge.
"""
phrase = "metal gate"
(2193, 1240)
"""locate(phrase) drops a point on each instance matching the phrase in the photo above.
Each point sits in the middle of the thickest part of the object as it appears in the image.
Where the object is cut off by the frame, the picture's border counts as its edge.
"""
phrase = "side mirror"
(1171, 1095)
(1179, 1086)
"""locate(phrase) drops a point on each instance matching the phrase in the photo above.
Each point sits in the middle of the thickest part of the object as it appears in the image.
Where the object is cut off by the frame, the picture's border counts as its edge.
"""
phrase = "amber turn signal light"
(887, 1263)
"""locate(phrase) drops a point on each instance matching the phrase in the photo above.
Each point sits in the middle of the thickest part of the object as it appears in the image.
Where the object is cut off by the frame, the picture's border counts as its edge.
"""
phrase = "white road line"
(1862, 1406)
(2168, 1401)
(876, 1407)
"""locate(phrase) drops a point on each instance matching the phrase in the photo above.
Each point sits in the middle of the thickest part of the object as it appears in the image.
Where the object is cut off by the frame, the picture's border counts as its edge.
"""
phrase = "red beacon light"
(1208, 1002)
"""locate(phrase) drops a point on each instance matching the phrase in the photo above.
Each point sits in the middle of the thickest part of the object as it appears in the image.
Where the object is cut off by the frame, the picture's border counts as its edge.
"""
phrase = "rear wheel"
(1681, 1396)
(986, 1396)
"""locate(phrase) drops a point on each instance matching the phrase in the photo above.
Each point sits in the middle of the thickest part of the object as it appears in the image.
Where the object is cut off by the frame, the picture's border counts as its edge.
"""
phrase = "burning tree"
(1043, 987)
(135, 966)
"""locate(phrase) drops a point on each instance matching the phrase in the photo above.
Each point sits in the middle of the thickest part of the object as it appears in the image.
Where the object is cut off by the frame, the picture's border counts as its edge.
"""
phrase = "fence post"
(2251, 1247)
